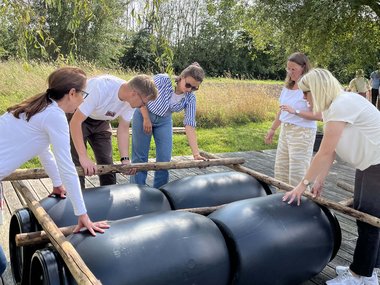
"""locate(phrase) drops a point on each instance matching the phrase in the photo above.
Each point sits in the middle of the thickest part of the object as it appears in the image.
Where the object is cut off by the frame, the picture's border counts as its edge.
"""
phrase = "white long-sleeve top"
(21, 140)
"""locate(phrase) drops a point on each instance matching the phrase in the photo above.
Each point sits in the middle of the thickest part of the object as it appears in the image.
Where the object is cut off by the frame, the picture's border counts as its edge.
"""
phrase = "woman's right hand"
(89, 167)
(147, 125)
(269, 136)
(85, 222)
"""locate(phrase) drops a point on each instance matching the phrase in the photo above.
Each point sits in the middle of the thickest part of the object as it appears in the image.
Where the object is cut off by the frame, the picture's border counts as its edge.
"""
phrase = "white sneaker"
(373, 280)
(346, 279)
(341, 269)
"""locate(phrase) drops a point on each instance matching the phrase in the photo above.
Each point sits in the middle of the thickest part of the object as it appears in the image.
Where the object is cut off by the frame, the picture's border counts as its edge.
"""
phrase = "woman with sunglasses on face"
(352, 131)
(297, 124)
(30, 127)
(155, 119)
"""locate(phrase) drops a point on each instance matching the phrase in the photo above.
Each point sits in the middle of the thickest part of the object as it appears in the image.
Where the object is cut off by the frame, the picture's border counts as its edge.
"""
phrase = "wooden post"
(369, 219)
(39, 237)
(74, 262)
(176, 130)
(346, 186)
(37, 173)
(348, 202)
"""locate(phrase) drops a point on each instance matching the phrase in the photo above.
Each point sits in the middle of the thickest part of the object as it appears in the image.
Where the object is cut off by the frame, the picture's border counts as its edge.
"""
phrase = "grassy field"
(232, 115)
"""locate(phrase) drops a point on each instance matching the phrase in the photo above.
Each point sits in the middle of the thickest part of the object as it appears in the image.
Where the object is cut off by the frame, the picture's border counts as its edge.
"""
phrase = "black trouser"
(367, 200)
(98, 134)
(375, 94)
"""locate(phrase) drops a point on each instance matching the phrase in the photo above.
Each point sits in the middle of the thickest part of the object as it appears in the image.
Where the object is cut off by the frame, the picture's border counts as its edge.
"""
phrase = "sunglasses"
(193, 88)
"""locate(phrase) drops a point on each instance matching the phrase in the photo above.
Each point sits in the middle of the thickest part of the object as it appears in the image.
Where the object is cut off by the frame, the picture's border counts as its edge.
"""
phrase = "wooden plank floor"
(259, 161)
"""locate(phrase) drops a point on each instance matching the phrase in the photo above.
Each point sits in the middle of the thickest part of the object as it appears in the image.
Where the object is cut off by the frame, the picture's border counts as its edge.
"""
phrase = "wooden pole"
(346, 186)
(369, 219)
(176, 130)
(348, 202)
(74, 262)
(34, 238)
(37, 173)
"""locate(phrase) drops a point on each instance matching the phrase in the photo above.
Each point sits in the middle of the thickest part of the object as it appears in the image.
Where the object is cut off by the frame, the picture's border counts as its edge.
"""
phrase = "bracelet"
(124, 158)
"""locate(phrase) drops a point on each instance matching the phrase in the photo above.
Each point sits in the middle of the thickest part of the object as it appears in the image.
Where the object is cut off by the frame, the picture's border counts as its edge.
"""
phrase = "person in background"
(375, 83)
(155, 119)
(109, 97)
(352, 131)
(359, 84)
(30, 127)
(297, 124)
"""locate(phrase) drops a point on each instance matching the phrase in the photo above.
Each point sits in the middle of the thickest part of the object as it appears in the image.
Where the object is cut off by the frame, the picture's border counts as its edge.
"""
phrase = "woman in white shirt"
(298, 125)
(28, 128)
(352, 131)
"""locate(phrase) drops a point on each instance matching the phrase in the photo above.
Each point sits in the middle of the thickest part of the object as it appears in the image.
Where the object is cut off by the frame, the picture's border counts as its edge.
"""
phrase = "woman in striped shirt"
(156, 119)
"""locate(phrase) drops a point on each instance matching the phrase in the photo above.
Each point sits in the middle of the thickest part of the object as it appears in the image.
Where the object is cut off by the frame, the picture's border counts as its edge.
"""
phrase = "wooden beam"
(348, 202)
(346, 186)
(364, 217)
(74, 262)
(34, 238)
(176, 130)
(37, 173)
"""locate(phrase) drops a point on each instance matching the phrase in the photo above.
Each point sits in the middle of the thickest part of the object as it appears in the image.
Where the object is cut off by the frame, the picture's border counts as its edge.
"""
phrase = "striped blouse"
(161, 106)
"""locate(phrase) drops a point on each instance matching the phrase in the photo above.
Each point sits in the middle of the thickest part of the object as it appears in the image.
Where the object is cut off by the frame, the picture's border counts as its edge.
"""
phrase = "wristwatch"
(306, 182)
(298, 112)
(124, 158)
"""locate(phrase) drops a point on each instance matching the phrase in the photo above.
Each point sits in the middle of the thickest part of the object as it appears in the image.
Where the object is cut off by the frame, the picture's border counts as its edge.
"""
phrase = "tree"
(339, 35)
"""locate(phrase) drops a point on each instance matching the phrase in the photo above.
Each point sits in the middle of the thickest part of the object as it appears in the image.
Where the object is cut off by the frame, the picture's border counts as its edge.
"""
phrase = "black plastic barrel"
(103, 203)
(168, 248)
(22, 221)
(273, 243)
(213, 189)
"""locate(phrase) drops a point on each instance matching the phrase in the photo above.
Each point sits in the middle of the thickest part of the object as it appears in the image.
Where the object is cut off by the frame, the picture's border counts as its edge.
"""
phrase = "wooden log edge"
(74, 262)
(364, 217)
(346, 186)
(38, 173)
(34, 238)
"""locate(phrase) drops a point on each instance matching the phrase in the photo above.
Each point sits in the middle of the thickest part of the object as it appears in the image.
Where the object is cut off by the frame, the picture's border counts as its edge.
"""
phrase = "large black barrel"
(212, 189)
(273, 243)
(103, 203)
(168, 248)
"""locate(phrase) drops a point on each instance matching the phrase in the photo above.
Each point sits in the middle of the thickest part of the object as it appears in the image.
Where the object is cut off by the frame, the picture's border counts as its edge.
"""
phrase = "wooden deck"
(259, 161)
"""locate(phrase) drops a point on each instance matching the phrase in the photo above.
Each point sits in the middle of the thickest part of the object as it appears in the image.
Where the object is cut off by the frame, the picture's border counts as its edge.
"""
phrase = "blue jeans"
(162, 131)
(3, 261)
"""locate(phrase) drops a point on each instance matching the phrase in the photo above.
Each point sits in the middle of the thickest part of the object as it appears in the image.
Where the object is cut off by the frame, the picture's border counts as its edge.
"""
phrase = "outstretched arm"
(321, 163)
(87, 164)
(192, 139)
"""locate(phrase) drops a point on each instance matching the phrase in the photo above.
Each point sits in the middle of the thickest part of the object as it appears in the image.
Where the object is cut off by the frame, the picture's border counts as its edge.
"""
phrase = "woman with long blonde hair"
(352, 131)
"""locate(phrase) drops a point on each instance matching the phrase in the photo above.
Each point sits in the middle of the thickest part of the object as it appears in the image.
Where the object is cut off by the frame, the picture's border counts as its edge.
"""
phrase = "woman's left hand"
(58, 191)
(296, 193)
(199, 157)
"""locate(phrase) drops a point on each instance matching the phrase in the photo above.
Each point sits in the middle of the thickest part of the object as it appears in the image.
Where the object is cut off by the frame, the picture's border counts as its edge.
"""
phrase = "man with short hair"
(109, 97)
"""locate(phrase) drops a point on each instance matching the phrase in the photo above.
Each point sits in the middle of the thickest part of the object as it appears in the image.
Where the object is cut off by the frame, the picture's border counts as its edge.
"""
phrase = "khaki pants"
(294, 153)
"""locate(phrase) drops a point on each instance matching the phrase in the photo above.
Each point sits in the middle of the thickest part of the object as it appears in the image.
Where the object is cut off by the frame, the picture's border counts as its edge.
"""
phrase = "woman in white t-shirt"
(28, 128)
(352, 131)
(298, 125)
